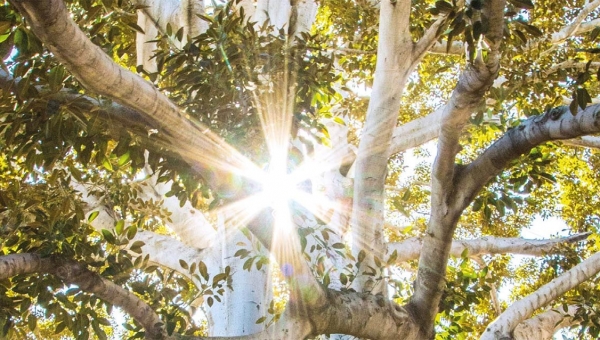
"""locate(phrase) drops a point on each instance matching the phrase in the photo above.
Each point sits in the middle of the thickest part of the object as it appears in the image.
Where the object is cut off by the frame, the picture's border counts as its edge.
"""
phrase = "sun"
(278, 187)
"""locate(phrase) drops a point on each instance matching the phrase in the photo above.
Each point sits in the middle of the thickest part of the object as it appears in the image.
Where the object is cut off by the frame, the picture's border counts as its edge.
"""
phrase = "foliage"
(52, 138)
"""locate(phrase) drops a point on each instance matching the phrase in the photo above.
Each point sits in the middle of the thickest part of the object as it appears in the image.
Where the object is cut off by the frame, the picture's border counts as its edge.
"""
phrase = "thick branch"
(568, 31)
(585, 141)
(113, 111)
(410, 249)
(573, 29)
(52, 23)
(471, 87)
(524, 308)
(74, 273)
(394, 55)
(555, 124)
(416, 132)
(364, 316)
(177, 13)
(544, 325)
(429, 38)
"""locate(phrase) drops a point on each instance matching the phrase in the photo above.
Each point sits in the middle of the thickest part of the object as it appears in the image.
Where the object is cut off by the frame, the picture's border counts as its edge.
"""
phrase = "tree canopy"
(299, 169)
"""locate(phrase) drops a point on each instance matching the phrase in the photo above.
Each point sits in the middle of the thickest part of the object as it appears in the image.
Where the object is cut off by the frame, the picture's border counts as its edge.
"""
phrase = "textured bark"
(576, 27)
(543, 326)
(143, 48)
(365, 316)
(521, 310)
(585, 141)
(74, 273)
(555, 124)
(177, 13)
(417, 132)
(568, 31)
(391, 71)
(52, 23)
(472, 85)
(410, 249)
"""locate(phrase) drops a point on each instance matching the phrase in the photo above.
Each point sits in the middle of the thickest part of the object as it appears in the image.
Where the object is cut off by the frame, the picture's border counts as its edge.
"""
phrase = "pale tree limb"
(178, 14)
(575, 28)
(187, 222)
(166, 251)
(109, 111)
(294, 17)
(569, 30)
(542, 75)
(544, 325)
(417, 132)
(555, 124)
(74, 273)
(471, 87)
(52, 23)
(154, 17)
(410, 249)
(521, 310)
(394, 56)
(144, 49)
(585, 141)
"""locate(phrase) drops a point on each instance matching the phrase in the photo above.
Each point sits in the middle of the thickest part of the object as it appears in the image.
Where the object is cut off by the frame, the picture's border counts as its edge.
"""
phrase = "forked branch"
(524, 308)
(74, 273)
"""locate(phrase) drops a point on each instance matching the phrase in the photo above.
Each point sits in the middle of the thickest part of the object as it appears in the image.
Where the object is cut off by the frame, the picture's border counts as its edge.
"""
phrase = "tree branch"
(471, 87)
(544, 325)
(575, 28)
(417, 132)
(394, 55)
(179, 14)
(74, 273)
(410, 249)
(52, 23)
(585, 141)
(568, 31)
(555, 124)
(364, 316)
(524, 308)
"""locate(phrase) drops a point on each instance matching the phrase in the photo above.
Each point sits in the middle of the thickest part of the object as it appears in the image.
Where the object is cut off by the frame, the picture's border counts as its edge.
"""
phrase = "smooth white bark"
(394, 57)
(544, 325)
(521, 310)
(410, 249)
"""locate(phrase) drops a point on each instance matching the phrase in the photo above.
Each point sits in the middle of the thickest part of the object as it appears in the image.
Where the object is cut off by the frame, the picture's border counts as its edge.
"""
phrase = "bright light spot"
(278, 189)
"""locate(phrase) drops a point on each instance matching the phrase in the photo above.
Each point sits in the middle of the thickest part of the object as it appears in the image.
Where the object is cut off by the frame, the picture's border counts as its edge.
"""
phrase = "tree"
(168, 156)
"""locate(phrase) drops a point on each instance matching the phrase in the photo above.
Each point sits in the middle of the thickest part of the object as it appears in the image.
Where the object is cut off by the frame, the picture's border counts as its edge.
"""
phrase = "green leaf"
(108, 236)
(203, 270)
(119, 227)
(444, 7)
(361, 256)
(93, 216)
(523, 4)
(183, 264)
(136, 247)
(135, 27)
(595, 33)
(131, 231)
(338, 245)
